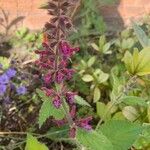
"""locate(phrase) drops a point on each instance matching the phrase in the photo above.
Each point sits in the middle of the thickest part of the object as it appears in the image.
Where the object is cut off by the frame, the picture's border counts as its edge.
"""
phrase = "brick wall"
(117, 14)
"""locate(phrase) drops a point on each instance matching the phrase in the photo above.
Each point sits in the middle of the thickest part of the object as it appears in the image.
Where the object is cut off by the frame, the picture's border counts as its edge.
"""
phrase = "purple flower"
(59, 77)
(4, 79)
(70, 97)
(11, 72)
(21, 90)
(2, 89)
(57, 102)
(47, 78)
(84, 123)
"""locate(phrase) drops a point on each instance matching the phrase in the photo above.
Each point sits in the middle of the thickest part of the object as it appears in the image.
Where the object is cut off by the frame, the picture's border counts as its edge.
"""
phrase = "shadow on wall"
(6, 25)
(112, 16)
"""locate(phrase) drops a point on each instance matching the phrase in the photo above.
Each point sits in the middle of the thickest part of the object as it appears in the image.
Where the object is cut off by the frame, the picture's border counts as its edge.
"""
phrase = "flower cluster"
(6, 82)
(54, 62)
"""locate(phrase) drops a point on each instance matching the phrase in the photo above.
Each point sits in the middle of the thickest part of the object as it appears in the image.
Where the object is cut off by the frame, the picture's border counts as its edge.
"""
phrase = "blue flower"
(11, 72)
(21, 90)
(4, 79)
(2, 89)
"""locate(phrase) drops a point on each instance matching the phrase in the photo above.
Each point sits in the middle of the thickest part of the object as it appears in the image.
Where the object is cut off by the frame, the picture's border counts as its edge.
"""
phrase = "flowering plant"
(54, 65)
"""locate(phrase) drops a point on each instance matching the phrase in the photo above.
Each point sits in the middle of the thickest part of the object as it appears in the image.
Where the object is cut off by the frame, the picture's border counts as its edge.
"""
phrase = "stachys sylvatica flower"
(54, 63)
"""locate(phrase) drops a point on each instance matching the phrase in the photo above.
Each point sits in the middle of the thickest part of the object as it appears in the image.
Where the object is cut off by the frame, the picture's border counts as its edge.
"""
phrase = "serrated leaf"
(134, 100)
(42, 95)
(47, 110)
(79, 100)
(87, 78)
(33, 144)
(122, 134)
(93, 140)
(96, 94)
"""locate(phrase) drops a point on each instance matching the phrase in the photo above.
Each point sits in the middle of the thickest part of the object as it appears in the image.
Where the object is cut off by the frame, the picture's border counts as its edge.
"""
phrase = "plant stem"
(125, 90)
(69, 119)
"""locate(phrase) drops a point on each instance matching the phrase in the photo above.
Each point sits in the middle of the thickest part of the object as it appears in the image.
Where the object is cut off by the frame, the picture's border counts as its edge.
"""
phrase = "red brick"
(35, 17)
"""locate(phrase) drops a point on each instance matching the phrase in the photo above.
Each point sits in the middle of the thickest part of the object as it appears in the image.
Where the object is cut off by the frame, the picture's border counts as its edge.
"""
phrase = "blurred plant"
(6, 24)
(103, 46)
(24, 37)
(91, 23)
(7, 84)
(95, 76)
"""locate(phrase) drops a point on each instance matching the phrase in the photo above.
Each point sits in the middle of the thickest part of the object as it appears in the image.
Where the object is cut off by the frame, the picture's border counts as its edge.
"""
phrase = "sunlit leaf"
(33, 144)
(122, 134)
(96, 94)
(87, 78)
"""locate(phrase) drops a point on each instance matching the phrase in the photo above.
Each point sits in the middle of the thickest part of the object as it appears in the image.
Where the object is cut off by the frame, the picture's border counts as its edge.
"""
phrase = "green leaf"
(142, 37)
(138, 63)
(118, 116)
(97, 94)
(93, 140)
(130, 113)
(33, 144)
(106, 47)
(143, 67)
(101, 109)
(103, 77)
(91, 61)
(87, 78)
(5, 62)
(79, 100)
(42, 95)
(47, 110)
(102, 41)
(95, 46)
(134, 100)
(122, 134)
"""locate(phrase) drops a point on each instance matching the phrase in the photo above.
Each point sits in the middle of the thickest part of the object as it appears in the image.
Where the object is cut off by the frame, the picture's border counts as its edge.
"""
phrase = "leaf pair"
(139, 62)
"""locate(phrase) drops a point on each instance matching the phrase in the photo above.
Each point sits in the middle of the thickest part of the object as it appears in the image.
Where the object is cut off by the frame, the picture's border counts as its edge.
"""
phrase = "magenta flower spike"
(54, 64)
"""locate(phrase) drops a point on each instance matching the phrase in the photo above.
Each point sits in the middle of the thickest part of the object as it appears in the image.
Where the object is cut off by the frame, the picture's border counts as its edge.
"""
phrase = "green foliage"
(91, 23)
(79, 100)
(25, 38)
(134, 101)
(142, 37)
(47, 110)
(122, 134)
(5, 62)
(93, 140)
(103, 46)
(32, 144)
(138, 63)
(113, 135)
